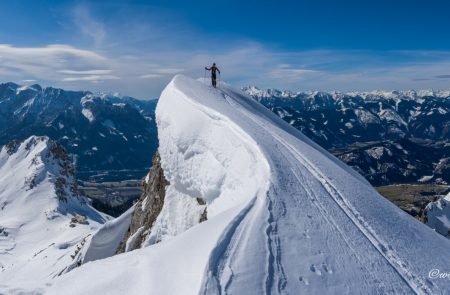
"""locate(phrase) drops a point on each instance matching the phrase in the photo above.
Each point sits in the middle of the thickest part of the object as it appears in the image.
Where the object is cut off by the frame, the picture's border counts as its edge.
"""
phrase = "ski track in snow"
(417, 285)
(220, 272)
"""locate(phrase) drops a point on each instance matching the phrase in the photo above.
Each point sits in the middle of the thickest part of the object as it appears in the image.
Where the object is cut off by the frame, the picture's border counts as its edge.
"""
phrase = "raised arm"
(208, 69)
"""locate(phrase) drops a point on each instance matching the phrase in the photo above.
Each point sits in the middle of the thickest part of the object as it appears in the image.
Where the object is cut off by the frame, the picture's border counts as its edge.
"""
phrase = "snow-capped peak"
(40, 159)
(42, 217)
(379, 94)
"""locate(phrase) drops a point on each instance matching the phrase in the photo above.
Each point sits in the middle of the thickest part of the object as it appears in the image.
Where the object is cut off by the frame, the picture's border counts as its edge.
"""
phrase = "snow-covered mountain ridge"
(104, 131)
(42, 218)
(283, 215)
(337, 95)
(389, 137)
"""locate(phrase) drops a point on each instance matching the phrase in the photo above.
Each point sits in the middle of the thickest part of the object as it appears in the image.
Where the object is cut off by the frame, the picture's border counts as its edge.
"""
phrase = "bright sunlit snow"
(284, 216)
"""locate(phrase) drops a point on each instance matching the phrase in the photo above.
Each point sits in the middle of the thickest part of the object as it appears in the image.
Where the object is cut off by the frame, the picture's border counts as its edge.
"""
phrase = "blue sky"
(135, 47)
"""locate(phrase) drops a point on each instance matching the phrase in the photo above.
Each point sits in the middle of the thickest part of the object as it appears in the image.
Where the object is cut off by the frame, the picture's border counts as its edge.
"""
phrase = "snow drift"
(283, 215)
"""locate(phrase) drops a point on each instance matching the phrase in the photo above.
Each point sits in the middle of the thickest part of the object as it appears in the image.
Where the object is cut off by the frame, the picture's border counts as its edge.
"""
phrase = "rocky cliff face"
(147, 208)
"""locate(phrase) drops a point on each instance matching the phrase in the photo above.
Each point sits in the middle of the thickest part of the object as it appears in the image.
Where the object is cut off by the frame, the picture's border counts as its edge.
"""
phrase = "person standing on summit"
(213, 70)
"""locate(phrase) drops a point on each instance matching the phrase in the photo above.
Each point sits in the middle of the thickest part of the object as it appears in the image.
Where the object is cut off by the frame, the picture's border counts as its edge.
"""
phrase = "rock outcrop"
(147, 208)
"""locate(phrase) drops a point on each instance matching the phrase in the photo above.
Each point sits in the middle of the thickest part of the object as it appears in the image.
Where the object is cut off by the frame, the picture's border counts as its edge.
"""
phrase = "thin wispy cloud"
(92, 78)
(149, 76)
(49, 51)
(45, 63)
(88, 25)
(86, 72)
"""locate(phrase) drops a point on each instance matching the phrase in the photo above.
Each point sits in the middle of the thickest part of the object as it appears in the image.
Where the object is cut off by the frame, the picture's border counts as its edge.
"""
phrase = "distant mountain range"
(113, 137)
(389, 137)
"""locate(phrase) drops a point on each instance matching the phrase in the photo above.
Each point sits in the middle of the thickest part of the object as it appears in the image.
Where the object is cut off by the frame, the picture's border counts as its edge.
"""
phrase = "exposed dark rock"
(200, 201)
(67, 170)
(11, 147)
(147, 208)
(204, 216)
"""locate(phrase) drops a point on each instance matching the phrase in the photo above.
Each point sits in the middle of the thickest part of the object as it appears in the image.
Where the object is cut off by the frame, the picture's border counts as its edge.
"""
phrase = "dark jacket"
(213, 70)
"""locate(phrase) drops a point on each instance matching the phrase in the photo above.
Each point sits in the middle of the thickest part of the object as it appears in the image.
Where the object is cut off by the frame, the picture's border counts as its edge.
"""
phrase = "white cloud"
(149, 76)
(54, 51)
(92, 78)
(46, 64)
(85, 72)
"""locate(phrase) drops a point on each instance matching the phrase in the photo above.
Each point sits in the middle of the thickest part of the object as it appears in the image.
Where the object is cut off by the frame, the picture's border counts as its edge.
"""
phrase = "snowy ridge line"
(218, 273)
(220, 256)
(415, 283)
(218, 116)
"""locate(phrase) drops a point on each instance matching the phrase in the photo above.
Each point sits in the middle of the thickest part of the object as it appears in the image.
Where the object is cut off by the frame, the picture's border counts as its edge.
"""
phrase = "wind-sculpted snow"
(213, 160)
(105, 240)
(284, 216)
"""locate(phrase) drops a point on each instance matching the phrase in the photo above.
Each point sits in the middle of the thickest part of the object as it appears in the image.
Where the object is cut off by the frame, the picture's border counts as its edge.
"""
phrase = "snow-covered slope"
(284, 216)
(42, 218)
